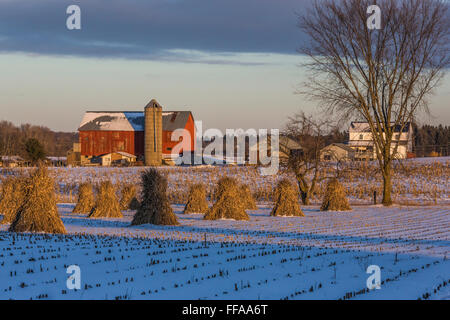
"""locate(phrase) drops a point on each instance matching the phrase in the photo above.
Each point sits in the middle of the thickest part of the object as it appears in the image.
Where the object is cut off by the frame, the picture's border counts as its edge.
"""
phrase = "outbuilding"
(117, 158)
(337, 152)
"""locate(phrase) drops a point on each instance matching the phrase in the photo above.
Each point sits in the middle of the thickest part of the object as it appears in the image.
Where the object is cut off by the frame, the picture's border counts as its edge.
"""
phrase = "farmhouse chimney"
(153, 134)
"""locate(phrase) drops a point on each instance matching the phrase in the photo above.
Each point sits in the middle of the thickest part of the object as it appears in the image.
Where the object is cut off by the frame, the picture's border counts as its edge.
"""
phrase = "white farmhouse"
(360, 139)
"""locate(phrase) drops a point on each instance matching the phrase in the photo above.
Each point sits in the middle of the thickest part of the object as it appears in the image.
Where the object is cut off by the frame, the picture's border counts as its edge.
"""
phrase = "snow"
(115, 121)
(323, 255)
(106, 121)
(429, 160)
(407, 188)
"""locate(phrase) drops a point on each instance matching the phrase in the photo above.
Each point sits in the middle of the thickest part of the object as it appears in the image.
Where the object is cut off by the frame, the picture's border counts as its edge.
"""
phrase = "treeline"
(336, 136)
(13, 139)
(431, 139)
(428, 139)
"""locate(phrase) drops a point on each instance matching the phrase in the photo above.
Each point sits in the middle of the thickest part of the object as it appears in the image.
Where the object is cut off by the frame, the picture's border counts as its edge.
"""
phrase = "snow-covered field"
(320, 256)
(415, 181)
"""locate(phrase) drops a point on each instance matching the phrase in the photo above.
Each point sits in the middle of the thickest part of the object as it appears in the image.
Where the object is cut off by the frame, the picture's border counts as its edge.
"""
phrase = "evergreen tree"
(35, 151)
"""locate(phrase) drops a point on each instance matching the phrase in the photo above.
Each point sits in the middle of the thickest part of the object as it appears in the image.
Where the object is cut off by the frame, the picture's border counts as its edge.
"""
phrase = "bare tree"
(13, 138)
(381, 76)
(307, 165)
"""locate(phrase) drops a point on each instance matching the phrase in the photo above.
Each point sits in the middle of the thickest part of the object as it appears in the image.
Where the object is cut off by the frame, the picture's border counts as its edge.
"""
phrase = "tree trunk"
(387, 185)
(305, 197)
(304, 190)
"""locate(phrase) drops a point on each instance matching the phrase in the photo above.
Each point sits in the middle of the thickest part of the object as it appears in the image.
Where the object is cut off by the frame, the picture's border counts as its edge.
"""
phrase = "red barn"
(103, 132)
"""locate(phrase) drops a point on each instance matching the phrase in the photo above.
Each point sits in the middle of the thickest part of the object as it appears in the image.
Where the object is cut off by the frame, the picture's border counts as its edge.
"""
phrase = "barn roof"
(11, 158)
(289, 143)
(122, 153)
(130, 120)
(343, 146)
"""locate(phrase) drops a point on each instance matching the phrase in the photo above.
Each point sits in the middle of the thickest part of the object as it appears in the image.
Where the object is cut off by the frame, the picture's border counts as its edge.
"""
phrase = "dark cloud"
(151, 29)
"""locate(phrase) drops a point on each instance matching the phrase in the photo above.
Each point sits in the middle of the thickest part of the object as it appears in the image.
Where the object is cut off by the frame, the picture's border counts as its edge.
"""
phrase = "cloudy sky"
(233, 63)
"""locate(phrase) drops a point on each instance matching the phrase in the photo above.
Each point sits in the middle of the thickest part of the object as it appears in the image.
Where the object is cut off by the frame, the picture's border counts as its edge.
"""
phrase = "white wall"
(106, 160)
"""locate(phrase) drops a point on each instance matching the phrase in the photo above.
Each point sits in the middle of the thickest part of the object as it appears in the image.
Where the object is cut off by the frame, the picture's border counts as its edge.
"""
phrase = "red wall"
(95, 143)
(168, 145)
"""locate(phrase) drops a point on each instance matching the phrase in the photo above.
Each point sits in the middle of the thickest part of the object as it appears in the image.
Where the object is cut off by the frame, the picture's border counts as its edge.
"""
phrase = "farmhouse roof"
(286, 143)
(361, 126)
(130, 120)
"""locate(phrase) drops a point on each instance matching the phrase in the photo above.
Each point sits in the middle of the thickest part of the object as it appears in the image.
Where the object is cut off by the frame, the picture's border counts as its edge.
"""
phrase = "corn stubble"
(155, 206)
(38, 211)
(196, 202)
(106, 204)
(247, 197)
(12, 197)
(286, 200)
(335, 198)
(128, 201)
(229, 202)
(86, 200)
